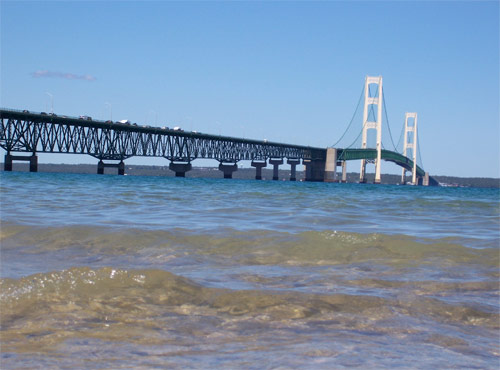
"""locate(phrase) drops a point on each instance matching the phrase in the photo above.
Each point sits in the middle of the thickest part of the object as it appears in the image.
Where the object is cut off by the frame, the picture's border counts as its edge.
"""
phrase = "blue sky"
(285, 71)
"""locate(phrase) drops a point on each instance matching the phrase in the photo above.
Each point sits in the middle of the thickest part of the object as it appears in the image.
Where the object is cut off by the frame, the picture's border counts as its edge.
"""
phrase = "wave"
(81, 308)
(109, 291)
(255, 247)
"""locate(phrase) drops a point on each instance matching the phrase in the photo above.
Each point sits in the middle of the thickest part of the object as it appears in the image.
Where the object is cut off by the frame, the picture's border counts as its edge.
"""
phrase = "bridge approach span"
(105, 140)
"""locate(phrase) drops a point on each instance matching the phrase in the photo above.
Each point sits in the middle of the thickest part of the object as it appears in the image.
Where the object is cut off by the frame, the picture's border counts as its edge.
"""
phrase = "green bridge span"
(387, 155)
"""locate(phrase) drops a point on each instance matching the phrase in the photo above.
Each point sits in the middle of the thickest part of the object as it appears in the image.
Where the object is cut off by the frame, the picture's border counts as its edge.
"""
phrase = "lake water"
(151, 272)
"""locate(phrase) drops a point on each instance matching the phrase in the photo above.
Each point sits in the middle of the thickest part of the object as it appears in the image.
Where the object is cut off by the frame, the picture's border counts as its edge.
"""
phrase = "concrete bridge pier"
(228, 169)
(7, 166)
(9, 158)
(180, 168)
(121, 168)
(258, 168)
(378, 179)
(403, 178)
(7, 163)
(331, 165)
(293, 162)
(425, 180)
(362, 174)
(34, 163)
(315, 169)
(101, 165)
(344, 171)
(276, 163)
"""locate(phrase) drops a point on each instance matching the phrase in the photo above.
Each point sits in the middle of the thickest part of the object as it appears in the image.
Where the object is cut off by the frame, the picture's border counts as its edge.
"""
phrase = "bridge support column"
(7, 163)
(101, 165)
(378, 161)
(100, 168)
(276, 163)
(425, 181)
(33, 163)
(344, 171)
(228, 169)
(293, 162)
(331, 165)
(315, 169)
(9, 158)
(121, 168)
(258, 168)
(362, 173)
(180, 168)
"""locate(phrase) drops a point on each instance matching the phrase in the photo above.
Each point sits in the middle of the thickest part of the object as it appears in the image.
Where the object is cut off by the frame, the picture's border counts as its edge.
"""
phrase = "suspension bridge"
(23, 134)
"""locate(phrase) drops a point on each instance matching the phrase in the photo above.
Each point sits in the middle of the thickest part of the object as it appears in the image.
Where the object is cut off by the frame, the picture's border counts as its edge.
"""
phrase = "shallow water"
(145, 272)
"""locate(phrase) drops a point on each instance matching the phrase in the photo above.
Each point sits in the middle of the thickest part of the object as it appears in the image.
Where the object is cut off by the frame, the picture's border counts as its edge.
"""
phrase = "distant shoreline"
(246, 173)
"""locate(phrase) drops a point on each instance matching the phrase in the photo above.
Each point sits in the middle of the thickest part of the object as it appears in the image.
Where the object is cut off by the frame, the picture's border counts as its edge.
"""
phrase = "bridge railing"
(24, 111)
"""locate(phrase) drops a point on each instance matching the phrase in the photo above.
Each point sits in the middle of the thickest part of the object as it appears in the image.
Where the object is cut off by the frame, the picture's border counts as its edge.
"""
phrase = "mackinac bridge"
(24, 134)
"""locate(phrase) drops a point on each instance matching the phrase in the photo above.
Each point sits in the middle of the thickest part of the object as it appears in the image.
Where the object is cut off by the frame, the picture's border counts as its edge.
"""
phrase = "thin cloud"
(67, 76)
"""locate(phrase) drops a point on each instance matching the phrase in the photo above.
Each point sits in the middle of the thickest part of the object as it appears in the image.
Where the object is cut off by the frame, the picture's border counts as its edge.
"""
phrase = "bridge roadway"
(27, 132)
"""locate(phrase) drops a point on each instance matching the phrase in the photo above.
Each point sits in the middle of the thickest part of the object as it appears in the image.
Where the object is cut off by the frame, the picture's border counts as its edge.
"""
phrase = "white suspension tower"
(410, 143)
(369, 125)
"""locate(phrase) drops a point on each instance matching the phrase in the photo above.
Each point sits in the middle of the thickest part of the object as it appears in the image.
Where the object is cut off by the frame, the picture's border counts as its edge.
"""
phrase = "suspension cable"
(362, 128)
(356, 138)
(352, 119)
(370, 113)
(401, 138)
(387, 119)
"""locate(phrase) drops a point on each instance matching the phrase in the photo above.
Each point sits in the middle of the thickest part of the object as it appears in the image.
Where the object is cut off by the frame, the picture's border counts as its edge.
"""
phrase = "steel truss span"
(45, 133)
